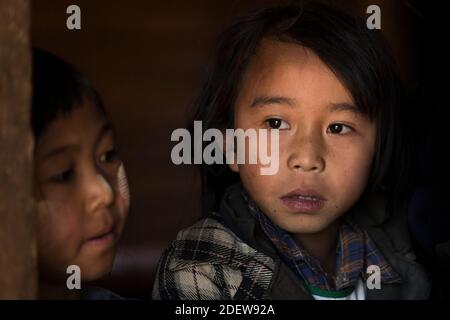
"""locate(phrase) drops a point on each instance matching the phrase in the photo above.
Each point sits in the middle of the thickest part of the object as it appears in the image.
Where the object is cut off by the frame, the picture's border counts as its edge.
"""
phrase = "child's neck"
(322, 246)
(53, 291)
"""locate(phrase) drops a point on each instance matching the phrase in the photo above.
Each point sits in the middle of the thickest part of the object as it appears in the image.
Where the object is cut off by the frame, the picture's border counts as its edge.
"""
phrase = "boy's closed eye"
(63, 177)
(66, 175)
(57, 168)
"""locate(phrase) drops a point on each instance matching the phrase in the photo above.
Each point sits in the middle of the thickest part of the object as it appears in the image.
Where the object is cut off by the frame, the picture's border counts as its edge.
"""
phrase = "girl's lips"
(303, 201)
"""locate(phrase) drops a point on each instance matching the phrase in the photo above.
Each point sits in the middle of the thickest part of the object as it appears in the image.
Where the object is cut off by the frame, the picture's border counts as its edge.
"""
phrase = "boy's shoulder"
(210, 241)
(208, 261)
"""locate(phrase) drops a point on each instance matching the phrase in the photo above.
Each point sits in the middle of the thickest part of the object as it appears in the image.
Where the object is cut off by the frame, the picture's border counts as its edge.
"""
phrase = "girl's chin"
(303, 225)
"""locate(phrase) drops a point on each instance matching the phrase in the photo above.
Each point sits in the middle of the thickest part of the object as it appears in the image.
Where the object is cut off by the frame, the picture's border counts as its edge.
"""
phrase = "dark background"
(147, 59)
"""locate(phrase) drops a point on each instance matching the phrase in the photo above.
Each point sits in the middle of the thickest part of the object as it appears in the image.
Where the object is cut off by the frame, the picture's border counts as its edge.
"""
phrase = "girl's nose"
(99, 193)
(306, 153)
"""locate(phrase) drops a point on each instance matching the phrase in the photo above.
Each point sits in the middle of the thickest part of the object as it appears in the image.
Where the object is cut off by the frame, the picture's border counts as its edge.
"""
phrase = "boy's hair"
(58, 87)
(358, 56)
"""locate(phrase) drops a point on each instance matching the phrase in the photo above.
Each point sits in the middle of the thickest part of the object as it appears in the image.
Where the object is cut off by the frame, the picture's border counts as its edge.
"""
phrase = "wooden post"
(17, 235)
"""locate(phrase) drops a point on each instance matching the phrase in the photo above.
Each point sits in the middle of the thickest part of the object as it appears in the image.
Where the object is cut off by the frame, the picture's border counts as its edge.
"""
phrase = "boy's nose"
(99, 193)
(305, 154)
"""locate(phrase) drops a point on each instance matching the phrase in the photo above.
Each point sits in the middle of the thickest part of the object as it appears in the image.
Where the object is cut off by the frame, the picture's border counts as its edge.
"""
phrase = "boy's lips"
(105, 236)
(303, 200)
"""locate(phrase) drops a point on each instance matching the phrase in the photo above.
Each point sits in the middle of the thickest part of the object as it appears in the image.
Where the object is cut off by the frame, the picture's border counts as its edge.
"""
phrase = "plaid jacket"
(228, 256)
(208, 261)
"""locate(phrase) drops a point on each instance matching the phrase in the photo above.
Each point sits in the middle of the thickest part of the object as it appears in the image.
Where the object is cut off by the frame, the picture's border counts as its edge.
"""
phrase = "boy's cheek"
(58, 236)
(123, 197)
(56, 223)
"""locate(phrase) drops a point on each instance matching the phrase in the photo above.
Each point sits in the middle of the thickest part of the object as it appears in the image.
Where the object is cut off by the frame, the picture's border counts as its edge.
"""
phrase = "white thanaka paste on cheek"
(123, 185)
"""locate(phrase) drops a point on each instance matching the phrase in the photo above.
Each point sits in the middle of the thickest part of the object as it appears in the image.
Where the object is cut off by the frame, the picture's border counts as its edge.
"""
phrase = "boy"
(79, 184)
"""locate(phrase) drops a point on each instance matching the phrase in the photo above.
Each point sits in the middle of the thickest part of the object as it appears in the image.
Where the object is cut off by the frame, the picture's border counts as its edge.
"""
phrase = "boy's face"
(325, 144)
(82, 195)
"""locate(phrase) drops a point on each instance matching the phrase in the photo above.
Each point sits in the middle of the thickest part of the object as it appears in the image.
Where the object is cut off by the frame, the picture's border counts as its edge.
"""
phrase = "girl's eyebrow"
(262, 101)
(344, 106)
(268, 100)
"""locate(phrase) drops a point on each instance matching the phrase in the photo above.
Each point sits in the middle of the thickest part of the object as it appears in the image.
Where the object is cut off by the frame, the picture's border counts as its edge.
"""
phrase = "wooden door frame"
(18, 275)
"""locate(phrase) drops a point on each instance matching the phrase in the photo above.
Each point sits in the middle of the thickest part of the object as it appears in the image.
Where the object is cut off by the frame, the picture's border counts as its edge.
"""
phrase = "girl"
(330, 223)
(80, 185)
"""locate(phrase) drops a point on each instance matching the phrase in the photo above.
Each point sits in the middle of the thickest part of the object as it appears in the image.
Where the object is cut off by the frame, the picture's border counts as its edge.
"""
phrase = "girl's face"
(325, 144)
(82, 195)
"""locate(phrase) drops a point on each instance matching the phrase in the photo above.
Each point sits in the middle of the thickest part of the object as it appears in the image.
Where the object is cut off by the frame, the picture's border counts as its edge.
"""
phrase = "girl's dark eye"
(275, 123)
(338, 128)
(63, 177)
